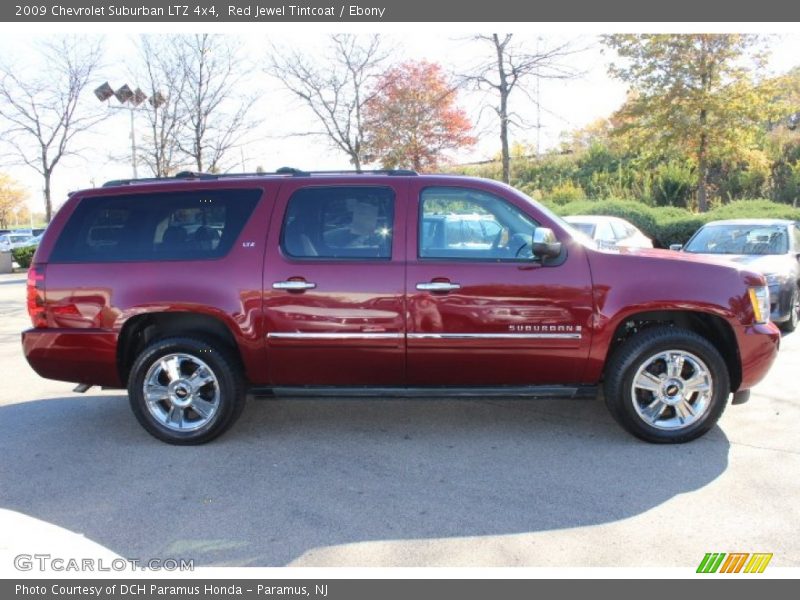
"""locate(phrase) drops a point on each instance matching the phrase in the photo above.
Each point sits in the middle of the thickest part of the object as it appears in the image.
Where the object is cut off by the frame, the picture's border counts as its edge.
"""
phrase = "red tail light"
(36, 308)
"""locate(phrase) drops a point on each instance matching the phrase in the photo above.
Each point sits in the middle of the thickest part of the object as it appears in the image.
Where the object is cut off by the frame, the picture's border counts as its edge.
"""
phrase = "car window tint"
(468, 224)
(604, 232)
(621, 231)
(339, 222)
(164, 226)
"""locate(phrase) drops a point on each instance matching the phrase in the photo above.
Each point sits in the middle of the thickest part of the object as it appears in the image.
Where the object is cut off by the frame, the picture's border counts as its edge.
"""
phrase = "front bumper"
(758, 348)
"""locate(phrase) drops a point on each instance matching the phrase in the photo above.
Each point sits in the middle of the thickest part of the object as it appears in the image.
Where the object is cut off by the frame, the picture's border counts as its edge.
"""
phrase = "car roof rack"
(284, 171)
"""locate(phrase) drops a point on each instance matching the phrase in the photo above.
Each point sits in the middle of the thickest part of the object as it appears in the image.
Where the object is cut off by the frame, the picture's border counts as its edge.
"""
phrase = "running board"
(527, 392)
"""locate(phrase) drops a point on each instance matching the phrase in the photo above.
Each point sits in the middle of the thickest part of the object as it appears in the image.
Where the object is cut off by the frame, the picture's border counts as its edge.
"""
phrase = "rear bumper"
(78, 356)
(758, 348)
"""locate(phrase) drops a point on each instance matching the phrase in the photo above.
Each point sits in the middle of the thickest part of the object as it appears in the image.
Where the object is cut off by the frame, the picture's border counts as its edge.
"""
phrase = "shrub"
(673, 183)
(566, 192)
(742, 209)
(672, 230)
(23, 256)
(670, 225)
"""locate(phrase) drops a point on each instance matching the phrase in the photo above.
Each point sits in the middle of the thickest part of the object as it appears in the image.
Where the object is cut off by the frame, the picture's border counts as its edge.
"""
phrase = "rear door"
(334, 284)
(481, 310)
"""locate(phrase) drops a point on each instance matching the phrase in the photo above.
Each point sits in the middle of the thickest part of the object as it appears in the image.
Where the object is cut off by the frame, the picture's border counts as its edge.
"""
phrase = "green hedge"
(23, 256)
(670, 225)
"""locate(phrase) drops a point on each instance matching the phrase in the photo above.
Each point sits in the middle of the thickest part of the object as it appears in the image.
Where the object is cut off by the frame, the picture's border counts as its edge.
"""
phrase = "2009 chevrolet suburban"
(194, 290)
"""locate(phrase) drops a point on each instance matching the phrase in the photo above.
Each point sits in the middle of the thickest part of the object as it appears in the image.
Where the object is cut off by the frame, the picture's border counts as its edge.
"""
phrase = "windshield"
(739, 239)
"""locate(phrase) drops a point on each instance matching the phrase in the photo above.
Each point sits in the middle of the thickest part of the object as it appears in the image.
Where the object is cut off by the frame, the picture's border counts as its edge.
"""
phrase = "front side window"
(339, 222)
(163, 226)
(460, 223)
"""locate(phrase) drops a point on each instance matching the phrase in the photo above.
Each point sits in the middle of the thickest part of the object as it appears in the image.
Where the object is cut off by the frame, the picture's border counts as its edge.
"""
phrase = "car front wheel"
(186, 390)
(667, 385)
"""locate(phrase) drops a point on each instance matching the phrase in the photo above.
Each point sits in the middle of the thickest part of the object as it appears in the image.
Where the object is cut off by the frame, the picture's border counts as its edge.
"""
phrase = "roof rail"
(393, 172)
(286, 171)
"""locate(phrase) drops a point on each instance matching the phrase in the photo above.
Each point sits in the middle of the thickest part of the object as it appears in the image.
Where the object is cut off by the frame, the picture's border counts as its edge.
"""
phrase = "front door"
(333, 286)
(482, 310)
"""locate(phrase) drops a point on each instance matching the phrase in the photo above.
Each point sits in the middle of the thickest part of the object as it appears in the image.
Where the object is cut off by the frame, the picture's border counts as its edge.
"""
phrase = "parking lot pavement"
(394, 482)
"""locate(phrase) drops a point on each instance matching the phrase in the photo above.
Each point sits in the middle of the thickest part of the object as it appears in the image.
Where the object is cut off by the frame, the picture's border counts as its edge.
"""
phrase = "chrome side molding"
(310, 335)
(334, 336)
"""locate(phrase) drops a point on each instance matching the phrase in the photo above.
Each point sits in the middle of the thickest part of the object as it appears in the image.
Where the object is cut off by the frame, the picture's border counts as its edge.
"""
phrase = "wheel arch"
(710, 326)
(142, 330)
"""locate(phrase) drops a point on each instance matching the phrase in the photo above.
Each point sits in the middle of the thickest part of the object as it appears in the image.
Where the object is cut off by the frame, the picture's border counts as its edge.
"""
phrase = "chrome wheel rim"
(795, 314)
(672, 390)
(181, 392)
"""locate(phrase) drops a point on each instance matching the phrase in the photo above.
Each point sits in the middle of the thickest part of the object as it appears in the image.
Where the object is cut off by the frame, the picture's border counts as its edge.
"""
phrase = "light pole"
(538, 103)
(130, 100)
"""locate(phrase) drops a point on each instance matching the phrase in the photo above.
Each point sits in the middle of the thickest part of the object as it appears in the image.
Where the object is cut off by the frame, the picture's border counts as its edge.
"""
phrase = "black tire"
(225, 393)
(790, 324)
(639, 352)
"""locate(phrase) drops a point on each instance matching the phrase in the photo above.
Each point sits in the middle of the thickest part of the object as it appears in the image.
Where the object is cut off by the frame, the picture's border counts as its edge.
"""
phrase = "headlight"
(776, 278)
(759, 298)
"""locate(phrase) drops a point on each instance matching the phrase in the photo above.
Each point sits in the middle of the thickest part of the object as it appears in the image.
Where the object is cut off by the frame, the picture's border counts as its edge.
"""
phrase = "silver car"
(610, 232)
(770, 246)
(9, 241)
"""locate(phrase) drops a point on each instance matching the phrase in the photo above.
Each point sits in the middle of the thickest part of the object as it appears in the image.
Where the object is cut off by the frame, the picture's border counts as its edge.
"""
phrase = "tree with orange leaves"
(413, 120)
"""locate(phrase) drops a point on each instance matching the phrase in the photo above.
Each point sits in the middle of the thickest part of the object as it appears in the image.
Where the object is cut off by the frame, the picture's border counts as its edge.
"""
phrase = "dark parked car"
(769, 246)
(192, 291)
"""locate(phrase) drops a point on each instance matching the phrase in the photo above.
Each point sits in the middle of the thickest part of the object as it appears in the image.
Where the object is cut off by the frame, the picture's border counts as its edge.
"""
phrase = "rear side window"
(164, 226)
(339, 222)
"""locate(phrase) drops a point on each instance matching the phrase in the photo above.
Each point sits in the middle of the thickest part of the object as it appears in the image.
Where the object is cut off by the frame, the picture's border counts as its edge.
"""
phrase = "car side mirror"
(676, 247)
(545, 244)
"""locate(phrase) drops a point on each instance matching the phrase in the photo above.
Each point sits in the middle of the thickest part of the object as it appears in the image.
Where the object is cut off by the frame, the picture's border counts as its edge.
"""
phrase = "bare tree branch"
(43, 112)
(215, 100)
(510, 67)
(337, 91)
(161, 74)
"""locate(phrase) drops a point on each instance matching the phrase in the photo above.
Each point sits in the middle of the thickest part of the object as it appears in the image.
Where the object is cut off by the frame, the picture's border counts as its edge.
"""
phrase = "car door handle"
(294, 285)
(438, 286)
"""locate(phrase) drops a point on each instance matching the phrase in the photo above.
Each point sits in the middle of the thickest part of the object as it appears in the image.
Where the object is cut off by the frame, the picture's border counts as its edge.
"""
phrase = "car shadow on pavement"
(294, 475)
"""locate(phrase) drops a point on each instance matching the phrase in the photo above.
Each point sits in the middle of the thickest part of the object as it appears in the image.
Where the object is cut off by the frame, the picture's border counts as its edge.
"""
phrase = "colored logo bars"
(735, 562)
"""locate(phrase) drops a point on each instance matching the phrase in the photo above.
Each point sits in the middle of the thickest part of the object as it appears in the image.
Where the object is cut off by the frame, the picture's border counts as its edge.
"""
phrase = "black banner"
(266, 11)
(385, 589)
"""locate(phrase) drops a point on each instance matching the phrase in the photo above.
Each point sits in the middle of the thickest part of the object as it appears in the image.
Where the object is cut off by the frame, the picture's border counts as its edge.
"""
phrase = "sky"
(565, 104)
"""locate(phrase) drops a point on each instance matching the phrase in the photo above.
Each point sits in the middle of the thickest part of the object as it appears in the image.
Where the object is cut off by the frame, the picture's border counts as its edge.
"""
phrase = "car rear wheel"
(794, 312)
(186, 390)
(667, 385)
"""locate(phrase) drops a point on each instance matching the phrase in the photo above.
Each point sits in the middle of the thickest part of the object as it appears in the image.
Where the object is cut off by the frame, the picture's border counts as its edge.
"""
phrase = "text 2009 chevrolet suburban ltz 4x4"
(194, 290)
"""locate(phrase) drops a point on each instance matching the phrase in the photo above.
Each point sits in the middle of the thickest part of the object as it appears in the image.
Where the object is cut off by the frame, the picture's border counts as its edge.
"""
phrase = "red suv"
(195, 290)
